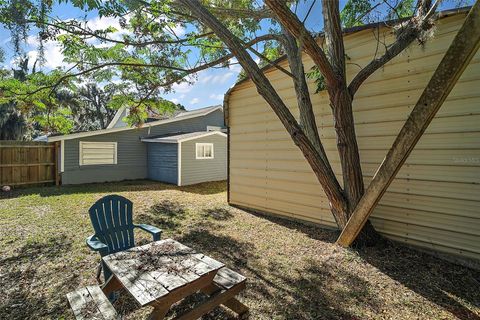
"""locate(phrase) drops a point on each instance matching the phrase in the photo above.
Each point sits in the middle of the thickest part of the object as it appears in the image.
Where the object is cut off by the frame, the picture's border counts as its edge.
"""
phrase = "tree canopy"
(156, 44)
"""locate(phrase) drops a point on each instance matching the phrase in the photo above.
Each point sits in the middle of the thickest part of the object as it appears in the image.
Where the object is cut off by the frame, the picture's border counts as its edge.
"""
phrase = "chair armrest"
(154, 231)
(96, 245)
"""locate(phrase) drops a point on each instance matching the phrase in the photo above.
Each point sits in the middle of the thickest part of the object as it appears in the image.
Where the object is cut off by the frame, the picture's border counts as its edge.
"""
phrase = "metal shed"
(187, 158)
(433, 203)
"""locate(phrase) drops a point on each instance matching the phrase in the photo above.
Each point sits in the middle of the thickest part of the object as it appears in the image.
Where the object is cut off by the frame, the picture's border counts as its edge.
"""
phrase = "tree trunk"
(347, 145)
(307, 117)
(319, 164)
(350, 162)
(325, 176)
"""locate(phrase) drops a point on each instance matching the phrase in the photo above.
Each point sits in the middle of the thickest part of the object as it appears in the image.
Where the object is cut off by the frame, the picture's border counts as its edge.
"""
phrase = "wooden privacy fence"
(27, 162)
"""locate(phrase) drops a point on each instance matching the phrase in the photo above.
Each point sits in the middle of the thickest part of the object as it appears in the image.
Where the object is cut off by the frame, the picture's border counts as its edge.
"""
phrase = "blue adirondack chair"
(112, 221)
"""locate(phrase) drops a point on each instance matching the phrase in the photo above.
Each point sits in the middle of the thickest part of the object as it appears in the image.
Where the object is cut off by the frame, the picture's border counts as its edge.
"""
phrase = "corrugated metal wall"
(434, 201)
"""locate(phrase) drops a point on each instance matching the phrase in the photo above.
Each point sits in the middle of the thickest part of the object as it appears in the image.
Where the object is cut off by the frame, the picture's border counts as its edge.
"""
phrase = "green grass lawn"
(294, 271)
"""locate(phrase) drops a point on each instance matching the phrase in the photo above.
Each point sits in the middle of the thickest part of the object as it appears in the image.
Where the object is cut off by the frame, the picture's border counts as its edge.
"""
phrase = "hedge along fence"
(28, 163)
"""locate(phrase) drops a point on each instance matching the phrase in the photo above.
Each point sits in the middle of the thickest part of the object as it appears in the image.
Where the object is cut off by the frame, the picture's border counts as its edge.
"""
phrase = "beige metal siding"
(434, 201)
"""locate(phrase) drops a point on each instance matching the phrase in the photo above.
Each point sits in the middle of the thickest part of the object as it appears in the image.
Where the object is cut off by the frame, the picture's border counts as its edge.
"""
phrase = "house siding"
(162, 162)
(131, 152)
(200, 170)
(434, 200)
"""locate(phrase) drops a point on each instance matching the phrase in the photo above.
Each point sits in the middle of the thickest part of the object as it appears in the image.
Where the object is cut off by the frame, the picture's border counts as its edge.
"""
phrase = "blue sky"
(211, 84)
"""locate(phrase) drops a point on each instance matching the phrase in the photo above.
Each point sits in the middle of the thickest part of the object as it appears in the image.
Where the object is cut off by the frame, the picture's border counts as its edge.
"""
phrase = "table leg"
(111, 285)
(159, 312)
(233, 304)
(217, 298)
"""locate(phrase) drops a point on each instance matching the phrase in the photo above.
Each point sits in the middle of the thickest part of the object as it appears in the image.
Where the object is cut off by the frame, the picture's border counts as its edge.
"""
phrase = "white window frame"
(80, 153)
(197, 145)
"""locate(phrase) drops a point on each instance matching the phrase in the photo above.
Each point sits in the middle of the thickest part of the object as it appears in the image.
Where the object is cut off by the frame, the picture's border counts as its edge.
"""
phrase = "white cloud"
(235, 67)
(204, 79)
(178, 30)
(174, 100)
(216, 96)
(102, 23)
(194, 101)
(221, 79)
(52, 54)
(183, 87)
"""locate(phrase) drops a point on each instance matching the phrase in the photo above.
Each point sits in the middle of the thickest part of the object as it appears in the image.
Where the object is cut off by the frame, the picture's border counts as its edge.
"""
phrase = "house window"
(94, 153)
(204, 150)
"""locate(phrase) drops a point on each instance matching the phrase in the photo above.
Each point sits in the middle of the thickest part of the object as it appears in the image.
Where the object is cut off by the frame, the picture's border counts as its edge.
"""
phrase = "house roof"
(181, 137)
(198, 111)
(346, 31)
(116, 118)
(182, 116)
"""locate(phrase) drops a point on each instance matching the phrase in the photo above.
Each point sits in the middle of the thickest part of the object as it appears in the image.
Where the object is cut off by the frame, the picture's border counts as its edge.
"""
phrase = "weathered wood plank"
(228, 278)
(138, 287)
(83, 305)
(24, 163)
(104, 305)
(162, 272)
(214, 301)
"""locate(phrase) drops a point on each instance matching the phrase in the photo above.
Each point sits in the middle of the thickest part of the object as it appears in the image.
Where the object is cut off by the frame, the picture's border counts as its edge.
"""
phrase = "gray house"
(186, 149)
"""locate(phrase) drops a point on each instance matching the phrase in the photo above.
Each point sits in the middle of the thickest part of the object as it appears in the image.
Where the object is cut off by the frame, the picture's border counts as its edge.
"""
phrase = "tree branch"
(413, 28)
(291, 23)
(307, 117)
(185, 72)
(87, 32)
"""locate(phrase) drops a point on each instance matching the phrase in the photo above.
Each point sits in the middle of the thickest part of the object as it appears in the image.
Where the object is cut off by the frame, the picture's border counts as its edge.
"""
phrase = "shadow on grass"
(166, 215)
(316, 232)
(218, 213)
(114, 187)
(439, 281)
(20, 277)
(301, 296)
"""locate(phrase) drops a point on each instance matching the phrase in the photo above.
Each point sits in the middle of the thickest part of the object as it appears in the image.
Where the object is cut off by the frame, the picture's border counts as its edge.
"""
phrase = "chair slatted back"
(112, 221)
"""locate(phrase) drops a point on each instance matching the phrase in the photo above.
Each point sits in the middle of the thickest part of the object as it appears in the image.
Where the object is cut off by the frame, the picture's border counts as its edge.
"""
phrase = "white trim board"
(179, 164)
(166, 140)
(209, 144)
(116, 117)
(62, 156)
(112, 130)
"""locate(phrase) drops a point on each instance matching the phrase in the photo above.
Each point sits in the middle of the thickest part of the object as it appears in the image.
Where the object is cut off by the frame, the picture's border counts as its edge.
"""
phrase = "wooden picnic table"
(164, 272)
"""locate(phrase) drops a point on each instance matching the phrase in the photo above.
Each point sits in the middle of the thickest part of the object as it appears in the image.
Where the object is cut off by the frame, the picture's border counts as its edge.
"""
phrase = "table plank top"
(158, 269)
